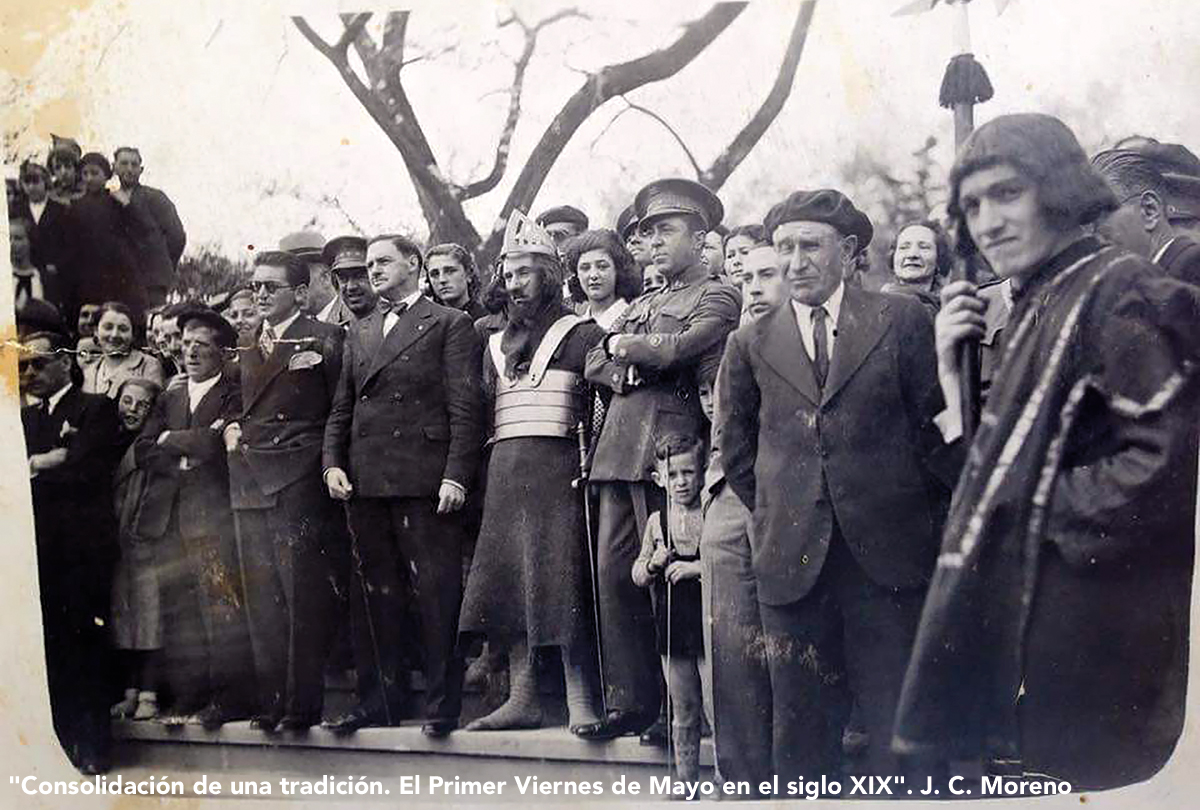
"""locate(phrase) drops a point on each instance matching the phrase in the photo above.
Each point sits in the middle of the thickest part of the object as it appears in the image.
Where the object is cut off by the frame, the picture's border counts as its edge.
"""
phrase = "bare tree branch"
(668, 128)
(493, 178)
(744, 141)
(599, 87)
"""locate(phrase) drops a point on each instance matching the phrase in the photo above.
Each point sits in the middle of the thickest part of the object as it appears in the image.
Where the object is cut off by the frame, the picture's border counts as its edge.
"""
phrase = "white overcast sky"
(227, 101)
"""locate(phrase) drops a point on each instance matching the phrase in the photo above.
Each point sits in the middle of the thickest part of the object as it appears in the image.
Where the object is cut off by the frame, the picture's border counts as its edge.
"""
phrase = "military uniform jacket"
(667, 334)
(202, 489)
(408, 411)
(285, 402)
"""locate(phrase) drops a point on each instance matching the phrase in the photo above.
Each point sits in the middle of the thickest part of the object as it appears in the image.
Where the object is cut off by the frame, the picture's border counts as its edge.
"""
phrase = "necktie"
(820, 344)
(266, 341)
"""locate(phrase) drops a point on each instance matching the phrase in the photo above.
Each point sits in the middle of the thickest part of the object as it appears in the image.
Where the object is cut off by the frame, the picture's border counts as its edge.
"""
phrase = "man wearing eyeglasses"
(282, 514)
(71, 438)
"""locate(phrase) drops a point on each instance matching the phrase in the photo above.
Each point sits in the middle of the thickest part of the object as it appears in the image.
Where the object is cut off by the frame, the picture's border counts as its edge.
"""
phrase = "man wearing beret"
(186, 508)
(346, 257)
(649, 363)
(627, 227)
(287, 528)
(1158, 188)
(826, 430)
(562, 222)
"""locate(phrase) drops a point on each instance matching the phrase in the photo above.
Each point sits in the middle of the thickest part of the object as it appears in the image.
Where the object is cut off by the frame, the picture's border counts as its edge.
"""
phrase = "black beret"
(97, 159)
(563, 213)
(627, 221)
(678, 195)
(1176, 163)
(826, 205)
(206, 316)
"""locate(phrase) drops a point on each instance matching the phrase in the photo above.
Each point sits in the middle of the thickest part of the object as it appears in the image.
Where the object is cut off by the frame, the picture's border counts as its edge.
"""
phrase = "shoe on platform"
(617, 723)
(212, 717)
(265, 722)
(299, 722)
(439, 729)
(356, 719)
(126, 707)
(657, 735)
(147, 706)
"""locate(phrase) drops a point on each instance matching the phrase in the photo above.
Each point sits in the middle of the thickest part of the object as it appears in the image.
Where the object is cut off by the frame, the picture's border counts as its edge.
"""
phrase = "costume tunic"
(529, 579)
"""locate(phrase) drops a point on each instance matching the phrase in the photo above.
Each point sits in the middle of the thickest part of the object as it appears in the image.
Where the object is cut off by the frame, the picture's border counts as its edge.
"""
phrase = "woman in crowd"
(242, 313)
(920, 262)
(740, 241)
(453, 279)
(136, 629)
(602, 276)
(104, 264)
(120, 360)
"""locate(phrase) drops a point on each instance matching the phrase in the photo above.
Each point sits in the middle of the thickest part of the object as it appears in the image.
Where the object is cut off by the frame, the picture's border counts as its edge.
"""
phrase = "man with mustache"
(401, 447)
(826, 430)
(648, 362)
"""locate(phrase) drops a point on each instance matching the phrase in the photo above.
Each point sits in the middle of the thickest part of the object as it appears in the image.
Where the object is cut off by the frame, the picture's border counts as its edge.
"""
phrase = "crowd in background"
(694, 471)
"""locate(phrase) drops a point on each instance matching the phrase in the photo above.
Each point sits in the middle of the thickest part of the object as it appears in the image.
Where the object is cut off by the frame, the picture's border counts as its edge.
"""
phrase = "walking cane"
(362, 582)
(581, 483)
(671, 769)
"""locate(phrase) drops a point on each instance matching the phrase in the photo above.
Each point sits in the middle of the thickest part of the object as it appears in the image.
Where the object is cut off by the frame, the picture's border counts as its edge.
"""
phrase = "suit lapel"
(261, 373)
(209, 407)
(413, 325)
(177, 408)
(783, 350)
(859, 328)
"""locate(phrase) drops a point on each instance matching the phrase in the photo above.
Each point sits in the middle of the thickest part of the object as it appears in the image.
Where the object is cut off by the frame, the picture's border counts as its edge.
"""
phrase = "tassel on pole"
(965, 82)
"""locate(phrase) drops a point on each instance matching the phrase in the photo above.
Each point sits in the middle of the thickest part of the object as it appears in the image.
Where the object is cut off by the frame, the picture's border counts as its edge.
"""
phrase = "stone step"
(387, 755)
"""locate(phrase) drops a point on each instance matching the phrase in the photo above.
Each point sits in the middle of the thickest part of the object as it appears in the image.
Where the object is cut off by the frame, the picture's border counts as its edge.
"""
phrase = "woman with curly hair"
(453, 278)
(920, 262)
(601, 275)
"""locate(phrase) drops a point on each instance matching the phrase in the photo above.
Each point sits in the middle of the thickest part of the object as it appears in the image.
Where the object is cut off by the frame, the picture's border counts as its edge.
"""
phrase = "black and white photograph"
(484, 401)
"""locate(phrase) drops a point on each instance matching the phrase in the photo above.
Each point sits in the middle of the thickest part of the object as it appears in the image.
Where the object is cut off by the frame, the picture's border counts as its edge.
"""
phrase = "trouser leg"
(432, 546)
(740, 679)
(626, 621)
(378, 596)
(266, 605)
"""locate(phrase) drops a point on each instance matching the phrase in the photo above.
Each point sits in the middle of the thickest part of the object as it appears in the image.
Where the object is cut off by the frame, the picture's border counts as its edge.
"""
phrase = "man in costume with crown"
(529, 589)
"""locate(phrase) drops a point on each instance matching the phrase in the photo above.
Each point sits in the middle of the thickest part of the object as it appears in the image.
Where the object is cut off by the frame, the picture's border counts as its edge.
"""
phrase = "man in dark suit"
(186, 504)
(1158, 187)
(50, 238)
(71, 438)
(284, 519)
(649, 364)
(827, 434)
(401, 446)
(159, 242)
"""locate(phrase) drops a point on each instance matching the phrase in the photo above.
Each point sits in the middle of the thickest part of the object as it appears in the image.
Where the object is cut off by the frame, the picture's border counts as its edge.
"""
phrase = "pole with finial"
(964, 85)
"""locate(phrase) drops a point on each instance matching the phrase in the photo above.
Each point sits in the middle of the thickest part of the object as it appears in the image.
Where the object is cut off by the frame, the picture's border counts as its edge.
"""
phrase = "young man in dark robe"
(1054, 621)
(532, 545)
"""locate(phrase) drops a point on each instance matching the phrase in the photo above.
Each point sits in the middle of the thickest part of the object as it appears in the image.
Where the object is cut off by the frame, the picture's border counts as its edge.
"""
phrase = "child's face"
(706, 400)
(681, 476)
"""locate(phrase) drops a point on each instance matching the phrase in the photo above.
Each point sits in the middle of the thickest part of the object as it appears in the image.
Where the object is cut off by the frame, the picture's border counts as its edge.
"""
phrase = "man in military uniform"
(321, 301)
(648, 363)
(346, 257)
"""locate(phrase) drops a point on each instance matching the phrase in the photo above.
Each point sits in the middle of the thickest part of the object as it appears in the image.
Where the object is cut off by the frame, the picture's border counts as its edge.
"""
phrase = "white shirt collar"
(37, 209)
(832, 305)
(323, 315)
(284, 325)
(56, 397)
(407, 301)
(608, 317)
(1159, 253)
(197, 390)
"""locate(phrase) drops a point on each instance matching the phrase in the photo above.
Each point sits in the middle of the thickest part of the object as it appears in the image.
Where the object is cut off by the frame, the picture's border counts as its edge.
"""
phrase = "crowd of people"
(702, 472)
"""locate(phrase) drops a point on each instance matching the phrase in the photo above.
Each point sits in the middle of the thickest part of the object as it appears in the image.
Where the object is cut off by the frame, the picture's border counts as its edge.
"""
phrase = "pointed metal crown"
(523, 235)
